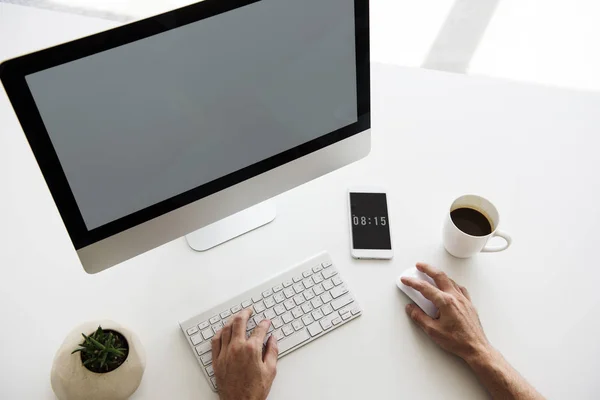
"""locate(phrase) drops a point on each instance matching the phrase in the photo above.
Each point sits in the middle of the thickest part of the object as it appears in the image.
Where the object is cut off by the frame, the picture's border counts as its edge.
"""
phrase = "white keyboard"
(303, 304)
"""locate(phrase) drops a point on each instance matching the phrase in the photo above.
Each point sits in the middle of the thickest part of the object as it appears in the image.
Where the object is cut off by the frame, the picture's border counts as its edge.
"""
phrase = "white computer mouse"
(425, 305)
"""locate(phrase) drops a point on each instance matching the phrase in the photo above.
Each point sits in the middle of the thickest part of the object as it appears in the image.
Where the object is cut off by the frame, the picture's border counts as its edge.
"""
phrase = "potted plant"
(98, 360)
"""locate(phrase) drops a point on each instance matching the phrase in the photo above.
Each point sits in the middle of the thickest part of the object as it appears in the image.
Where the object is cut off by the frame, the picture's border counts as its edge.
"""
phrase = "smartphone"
(370, 232)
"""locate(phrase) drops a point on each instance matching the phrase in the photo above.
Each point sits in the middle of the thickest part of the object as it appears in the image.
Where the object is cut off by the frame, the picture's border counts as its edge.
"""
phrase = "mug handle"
(493, 249)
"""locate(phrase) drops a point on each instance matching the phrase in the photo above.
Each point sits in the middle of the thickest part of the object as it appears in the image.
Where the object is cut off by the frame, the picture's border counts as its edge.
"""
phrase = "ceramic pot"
(72, 381)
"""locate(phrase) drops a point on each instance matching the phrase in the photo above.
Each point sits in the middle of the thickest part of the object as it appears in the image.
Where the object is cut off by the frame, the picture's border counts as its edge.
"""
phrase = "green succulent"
(103, 351)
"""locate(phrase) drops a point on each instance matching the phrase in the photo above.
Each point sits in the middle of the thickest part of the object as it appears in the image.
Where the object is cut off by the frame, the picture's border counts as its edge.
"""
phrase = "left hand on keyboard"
(242, 369)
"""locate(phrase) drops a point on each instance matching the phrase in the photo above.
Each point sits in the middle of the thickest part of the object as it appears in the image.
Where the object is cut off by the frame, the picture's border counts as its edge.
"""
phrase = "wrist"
(481, 356)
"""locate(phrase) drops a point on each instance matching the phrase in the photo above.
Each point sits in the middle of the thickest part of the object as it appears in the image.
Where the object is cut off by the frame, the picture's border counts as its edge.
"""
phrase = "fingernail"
(404, 280)
(408, 308)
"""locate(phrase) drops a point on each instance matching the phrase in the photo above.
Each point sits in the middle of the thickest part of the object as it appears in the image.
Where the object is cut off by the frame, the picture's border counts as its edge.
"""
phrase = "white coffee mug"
(463, 245)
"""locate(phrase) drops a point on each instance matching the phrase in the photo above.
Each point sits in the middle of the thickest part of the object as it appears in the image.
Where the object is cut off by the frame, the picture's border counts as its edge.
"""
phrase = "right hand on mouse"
(243, 370)
(457, 328)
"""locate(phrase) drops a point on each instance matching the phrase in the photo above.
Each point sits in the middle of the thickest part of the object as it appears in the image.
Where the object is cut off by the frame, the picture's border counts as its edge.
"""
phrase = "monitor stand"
(233, 226)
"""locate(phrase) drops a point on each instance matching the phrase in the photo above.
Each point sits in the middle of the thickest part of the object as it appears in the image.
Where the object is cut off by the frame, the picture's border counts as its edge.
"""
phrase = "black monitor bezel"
(14, 71)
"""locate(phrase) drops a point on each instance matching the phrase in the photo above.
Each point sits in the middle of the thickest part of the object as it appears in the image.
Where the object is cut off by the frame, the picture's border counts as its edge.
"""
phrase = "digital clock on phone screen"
(369, 222)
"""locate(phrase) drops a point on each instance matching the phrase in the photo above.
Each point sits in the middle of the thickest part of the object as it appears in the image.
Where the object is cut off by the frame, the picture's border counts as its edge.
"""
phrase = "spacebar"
(293, 340)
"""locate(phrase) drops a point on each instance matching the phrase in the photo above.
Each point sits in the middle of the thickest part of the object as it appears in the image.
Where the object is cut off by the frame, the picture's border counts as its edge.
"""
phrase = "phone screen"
(370, 222)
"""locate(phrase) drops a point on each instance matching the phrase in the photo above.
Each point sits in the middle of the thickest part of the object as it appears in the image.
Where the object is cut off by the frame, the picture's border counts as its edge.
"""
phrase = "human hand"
(242, 369)
(457, 328)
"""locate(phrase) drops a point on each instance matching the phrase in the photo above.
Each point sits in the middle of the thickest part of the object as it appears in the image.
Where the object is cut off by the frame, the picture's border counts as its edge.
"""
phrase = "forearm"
(500, 379)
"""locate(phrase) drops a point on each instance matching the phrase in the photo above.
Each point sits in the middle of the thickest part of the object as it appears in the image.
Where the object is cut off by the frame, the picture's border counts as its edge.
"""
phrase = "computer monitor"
(150, 131)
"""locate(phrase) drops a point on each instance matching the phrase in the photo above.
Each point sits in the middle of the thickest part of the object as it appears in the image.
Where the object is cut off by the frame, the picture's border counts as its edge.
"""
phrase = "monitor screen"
(140, 123)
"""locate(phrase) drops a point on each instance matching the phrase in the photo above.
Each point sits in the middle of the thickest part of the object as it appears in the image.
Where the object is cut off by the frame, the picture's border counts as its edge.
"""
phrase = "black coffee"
(471, 222)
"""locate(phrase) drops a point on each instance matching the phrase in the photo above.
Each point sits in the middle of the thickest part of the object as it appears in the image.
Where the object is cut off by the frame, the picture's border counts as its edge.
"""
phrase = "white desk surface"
(531, 150)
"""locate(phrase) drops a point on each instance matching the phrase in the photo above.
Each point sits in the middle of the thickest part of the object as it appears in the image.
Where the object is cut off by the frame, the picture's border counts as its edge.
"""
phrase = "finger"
(423, 320)
(216, 345)
(428, 291)
(225, 336)
(465, 292)
(240, 321)
(271, 353)
(439, 277)
(260, 332)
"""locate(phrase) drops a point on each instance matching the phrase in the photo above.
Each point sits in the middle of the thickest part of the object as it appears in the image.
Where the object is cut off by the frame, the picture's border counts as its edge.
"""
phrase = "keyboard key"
(346, 309)
(317, 315)
(306, 307)
(247, 303)
(267, 293)
(297, 279)
(287, 330)
(269, 302)
(258, 318)
(307, 273)
(270, 314)
(289, 292)
(259, 307)
(325, 324)
(210, 371)
(326, 298)
(297, 325)
(307, 319)
(235, 309)
(289, 304)
(251, 324)
(207, 333)
(298, 288)
(279, 297)
(192, 330)
(196, 339)
(214, 319)
(308, 283)
(338, 291)
(279, 309)
(257, 298)
(225, 314)
(318, 289)
(328, 273)
(217, 327)
(293, 340)
(213, 380)
(342, 301)
(287, 283)
(318, 268)
(317, 278)
(327, 309)
(346, 316)
(278, 334)
(356, 310)
(328, 285)
(206, 358)
(326, 264)
(314, 329)
(308, 294)
(203, 348)
(287, 317)
(316, 302)
(203, 325)
(336, 280)
(277, 322)
(336, 321)
(297, 312)
(277, 288)
(299, 300)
